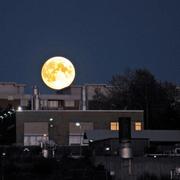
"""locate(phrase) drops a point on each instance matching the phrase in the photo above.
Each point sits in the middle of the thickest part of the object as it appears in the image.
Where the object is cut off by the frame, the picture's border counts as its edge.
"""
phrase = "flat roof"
(123, 111)
(12, 83)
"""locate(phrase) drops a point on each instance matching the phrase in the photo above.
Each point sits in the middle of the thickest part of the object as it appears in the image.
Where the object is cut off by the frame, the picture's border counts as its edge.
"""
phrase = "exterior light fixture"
(78, 124)
(51, 119)
(107, 148)
(51, 126)
(19, 108)
(112, 173)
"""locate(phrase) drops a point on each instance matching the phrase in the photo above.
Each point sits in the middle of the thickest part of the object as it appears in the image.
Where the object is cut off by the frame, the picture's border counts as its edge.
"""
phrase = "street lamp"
(79, 125)
(50, 119)
(19, 108)
(3, 156)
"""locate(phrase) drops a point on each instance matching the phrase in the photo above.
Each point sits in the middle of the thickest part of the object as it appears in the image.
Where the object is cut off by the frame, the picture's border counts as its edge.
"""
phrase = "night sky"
(101, 38)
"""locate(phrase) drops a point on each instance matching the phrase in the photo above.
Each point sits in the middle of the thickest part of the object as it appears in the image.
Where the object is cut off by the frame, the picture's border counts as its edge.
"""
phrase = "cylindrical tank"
(126, 150)
(45, 153)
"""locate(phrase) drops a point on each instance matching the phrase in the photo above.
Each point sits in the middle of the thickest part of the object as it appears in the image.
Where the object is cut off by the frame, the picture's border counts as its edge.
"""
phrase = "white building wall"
(11, 88)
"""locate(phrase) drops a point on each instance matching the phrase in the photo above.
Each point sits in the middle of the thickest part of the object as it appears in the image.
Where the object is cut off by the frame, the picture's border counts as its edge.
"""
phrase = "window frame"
(138, 126)
(114, 126)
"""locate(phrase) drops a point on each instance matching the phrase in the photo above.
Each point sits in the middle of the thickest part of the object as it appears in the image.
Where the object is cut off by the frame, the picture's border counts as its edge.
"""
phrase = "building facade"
(70, 98)
(67, 127)
(64, 118)
(12, 94)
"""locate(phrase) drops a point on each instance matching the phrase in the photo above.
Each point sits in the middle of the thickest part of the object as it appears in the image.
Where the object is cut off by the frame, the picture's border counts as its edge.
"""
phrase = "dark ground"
(141, 167)
(30, 165)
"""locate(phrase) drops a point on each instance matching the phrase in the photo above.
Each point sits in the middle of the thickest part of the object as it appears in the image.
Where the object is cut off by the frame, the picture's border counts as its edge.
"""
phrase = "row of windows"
(115, 126)
(56, 104)
(34, 140)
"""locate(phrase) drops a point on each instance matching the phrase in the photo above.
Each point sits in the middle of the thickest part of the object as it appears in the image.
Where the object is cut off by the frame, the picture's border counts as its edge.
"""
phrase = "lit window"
(138, 126)
(114, 126)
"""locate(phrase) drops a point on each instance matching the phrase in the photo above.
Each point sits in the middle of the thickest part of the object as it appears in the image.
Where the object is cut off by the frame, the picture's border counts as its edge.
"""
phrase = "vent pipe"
(84, 98)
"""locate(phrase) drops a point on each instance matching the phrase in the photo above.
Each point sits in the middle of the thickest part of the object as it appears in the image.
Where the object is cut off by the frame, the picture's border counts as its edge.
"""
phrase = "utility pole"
(147, 107)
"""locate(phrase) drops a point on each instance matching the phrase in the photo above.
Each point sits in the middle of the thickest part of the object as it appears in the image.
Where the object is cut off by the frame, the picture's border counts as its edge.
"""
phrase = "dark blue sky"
(101, 38)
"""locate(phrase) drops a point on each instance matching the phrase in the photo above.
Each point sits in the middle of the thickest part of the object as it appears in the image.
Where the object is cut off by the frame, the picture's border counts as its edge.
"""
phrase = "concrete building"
(63, 118)
(12, 94)
(71, 98)
(78, 127)
(67, 127)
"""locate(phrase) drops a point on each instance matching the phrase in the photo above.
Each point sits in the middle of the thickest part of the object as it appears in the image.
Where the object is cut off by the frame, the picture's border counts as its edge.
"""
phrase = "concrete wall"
(158, 135)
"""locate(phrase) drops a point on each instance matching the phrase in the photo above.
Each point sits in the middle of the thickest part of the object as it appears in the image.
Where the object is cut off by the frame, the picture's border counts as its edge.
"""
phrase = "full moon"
(58, 73)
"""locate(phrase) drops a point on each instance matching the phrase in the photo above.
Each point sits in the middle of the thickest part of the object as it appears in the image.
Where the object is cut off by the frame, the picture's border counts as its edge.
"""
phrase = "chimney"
(36, 101)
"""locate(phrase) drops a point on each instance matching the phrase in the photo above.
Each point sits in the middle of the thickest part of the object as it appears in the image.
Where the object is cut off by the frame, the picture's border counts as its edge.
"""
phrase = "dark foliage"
(139, 90)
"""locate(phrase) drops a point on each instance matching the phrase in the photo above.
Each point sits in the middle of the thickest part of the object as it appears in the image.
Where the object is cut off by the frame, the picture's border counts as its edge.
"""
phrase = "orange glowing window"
(138, 126)
(114, 126)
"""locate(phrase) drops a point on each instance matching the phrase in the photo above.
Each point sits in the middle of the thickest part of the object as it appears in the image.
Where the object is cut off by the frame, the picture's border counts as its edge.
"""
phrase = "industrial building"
(64, 119)
(70, 98)
(67, 127)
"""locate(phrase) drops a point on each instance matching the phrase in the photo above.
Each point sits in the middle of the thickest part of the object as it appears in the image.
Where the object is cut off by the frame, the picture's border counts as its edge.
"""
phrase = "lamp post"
(3, 156)
(51, 125)
(79, 125)
(51, 137)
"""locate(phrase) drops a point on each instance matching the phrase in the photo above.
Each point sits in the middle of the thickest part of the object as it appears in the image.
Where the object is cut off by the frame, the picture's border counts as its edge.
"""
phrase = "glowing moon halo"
(58, 73)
